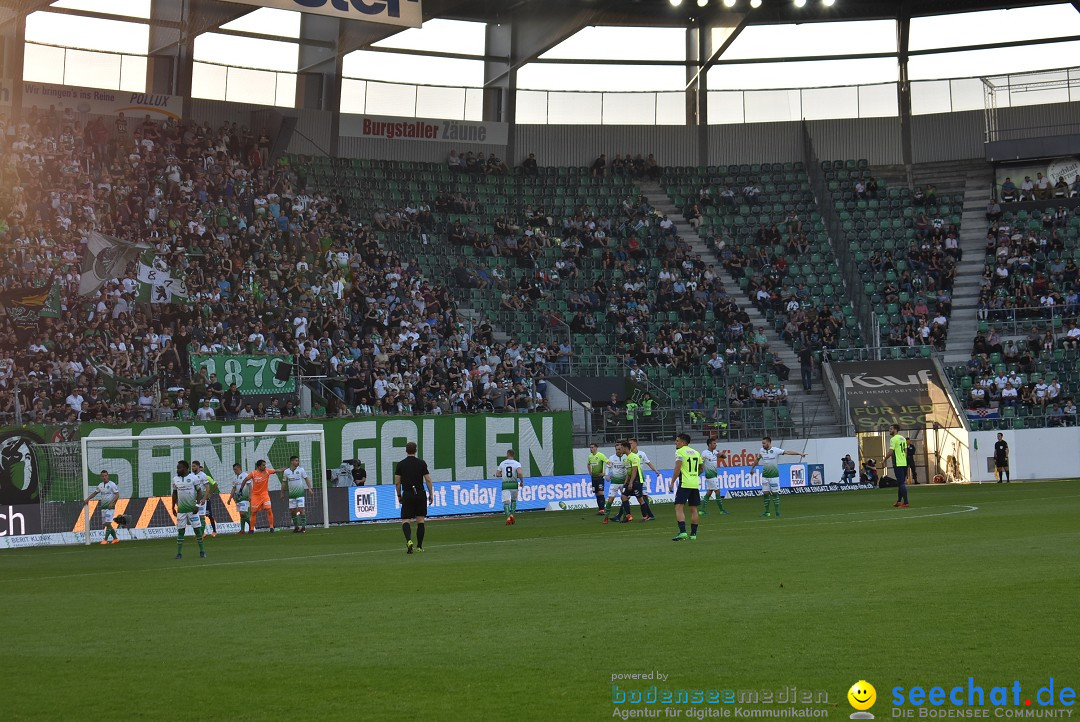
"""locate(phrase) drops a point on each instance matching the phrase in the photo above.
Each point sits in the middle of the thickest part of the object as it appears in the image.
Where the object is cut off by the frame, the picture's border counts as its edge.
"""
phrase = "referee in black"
(409, 478)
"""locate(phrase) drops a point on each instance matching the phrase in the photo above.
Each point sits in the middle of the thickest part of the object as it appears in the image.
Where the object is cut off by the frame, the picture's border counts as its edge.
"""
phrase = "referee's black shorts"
(413, 506)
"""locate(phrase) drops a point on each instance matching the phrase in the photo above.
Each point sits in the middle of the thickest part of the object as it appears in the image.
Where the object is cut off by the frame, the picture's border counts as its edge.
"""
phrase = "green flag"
(51, 309)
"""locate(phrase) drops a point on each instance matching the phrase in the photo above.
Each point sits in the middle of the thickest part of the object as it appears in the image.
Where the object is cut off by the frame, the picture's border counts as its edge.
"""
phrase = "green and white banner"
(456, 448)
(156, 283)
(252, 374)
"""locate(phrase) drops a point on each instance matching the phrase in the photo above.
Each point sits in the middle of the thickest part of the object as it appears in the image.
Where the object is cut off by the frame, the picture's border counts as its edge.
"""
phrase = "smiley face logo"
(862, 695)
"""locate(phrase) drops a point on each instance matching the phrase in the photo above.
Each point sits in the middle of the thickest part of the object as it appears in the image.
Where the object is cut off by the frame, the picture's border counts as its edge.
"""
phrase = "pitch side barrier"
(555, 493)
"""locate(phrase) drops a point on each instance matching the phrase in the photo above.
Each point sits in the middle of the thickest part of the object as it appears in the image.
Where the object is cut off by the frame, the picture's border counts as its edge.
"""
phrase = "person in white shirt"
(108, 493)
(716, 363)
(1072, 337)
(1041, 390)
(1027, 189)
(1009, 395)
(757, 395)
(75, 401)
(300, 325)
(205, 413)
(1053, 390)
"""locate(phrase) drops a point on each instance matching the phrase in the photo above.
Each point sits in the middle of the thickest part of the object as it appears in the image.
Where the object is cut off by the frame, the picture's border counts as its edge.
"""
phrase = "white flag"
(106, 258)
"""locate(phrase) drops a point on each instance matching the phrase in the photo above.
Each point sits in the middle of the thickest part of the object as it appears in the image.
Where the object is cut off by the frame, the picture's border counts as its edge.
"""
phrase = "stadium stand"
(584, 268)
(431, 288)
(1024, 369)
(907, 244)
(269, 269)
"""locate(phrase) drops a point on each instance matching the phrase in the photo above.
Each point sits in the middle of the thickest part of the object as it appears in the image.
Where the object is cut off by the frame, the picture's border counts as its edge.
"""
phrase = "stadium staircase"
(813, 409)
(964, 324)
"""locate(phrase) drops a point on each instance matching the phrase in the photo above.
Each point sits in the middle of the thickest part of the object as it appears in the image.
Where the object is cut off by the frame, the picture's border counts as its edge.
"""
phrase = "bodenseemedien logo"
(862, 696)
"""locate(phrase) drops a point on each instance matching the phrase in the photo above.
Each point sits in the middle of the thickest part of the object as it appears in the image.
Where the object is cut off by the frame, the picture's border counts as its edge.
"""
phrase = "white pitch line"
(963, 509)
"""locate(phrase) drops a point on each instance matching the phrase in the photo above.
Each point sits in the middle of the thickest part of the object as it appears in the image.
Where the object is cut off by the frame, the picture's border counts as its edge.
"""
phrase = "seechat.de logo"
(862, 696)
(392, 8)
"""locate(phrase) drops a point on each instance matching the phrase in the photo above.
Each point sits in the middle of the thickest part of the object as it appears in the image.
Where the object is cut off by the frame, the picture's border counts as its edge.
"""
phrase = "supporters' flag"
(156, 284)
(106, 258)
(52, 307)
(982, 414)
(111, 381)
(24, 305)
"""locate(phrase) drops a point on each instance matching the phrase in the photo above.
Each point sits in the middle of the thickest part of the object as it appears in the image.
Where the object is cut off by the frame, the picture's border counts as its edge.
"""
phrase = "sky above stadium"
(57, 48)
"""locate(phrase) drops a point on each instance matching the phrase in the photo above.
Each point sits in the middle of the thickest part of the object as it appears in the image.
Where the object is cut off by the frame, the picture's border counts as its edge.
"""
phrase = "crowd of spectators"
(1019, 384)
(637, 167)
(270, 268)
(775, 290)
(1028, 277)
(1041, 188)
(636, 296)
(475, 163)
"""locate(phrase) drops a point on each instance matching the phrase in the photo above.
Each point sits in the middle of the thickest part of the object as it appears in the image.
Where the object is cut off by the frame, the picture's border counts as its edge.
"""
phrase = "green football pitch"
(535, 621)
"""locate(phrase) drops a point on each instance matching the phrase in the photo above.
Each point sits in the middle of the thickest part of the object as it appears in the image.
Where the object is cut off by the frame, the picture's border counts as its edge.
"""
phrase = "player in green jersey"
(617, 477)
(768, 456)
(687, 475)
(297, 483)
(241, 495)
(512, 480)
(898, 452)
(711, 459)
(187, 493)
(205, 512)
(634, 486)
(597, 464)
(109, 493)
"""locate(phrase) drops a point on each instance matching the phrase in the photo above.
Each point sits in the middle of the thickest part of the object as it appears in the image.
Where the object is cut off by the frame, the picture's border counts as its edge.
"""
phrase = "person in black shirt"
(806, 368)
(409, 478)
(359, 473)
(1001, 459)
(912, 469)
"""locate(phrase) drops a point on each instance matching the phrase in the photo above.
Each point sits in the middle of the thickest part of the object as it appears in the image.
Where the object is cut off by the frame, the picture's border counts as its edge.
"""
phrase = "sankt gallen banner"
(461, 447)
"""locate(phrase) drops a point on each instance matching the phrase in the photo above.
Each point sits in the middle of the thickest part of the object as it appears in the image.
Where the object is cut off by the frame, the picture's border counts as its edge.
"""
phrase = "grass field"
(532, 621)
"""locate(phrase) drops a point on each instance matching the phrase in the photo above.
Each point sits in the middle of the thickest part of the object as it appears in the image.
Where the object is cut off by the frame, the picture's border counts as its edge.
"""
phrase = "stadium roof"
(209, 15)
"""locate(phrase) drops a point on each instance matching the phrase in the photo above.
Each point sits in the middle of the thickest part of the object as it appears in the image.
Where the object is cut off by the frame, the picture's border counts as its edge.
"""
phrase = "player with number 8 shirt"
(512, 479)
